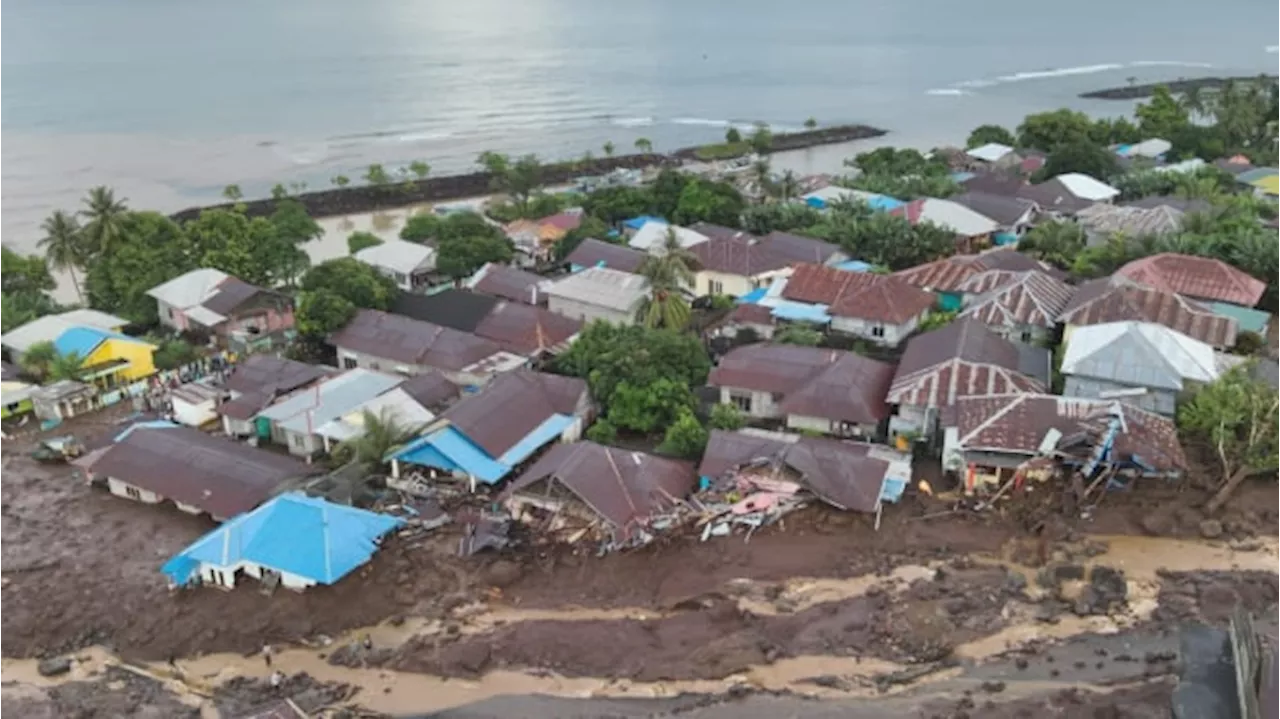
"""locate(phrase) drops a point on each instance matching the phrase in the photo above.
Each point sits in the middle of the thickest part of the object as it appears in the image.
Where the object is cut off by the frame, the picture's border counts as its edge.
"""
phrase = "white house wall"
(122, 489)
(763, 405)
(589, 312)
(827, 426)
(892, 337)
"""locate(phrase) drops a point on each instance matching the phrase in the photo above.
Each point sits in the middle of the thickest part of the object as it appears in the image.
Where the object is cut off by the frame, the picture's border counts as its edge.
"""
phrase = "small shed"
(63, 399)
(195, 404)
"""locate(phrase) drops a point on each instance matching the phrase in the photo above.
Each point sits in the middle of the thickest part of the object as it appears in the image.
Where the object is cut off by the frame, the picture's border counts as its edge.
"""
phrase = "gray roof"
(592, 253)
(1001, 208)
(603, 287)
(1138, 354)
(190, 289)
(412, 342)
(399, 256)
(305, 411)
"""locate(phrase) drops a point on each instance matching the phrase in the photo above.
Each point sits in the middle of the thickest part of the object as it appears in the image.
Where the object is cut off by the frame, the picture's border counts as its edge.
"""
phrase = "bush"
(174, 353)
(721, 302)
(727, 417)
(362, 240)
(722, 151)
(602, 432)
(1249, 343)
(686, 437)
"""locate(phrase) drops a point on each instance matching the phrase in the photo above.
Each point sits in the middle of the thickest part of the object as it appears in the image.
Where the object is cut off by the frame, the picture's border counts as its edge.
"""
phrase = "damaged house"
(588, 489)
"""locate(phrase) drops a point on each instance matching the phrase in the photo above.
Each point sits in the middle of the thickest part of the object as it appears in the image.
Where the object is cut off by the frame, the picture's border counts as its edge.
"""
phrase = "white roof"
(1140, 354)
(49, 327)
(603, 287)
(990, 152)
(1152, 148)
(1087, 188)
(650, 237)
(309, 409)
(956, 217)
(190, 289)
(399, 256)
(204, 315)
(396, 405)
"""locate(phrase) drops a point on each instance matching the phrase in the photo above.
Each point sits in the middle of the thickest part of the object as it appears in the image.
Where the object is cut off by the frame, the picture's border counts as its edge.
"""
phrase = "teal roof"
(84, 340)
(293, 533)
(1258, 173)
(1249, 319)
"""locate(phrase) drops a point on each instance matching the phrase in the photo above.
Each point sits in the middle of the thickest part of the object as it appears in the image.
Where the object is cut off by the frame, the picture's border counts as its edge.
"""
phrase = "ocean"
(168, 101)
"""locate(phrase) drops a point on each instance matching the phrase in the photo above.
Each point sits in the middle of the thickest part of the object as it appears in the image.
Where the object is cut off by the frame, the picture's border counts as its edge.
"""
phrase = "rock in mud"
(1211, 529)
(503, 573)
(54, 667)
(1157, 524)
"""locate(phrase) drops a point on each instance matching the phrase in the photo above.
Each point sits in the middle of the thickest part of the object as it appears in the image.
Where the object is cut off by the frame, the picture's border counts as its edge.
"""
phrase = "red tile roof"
(1200, 277)
(960, 360)
(862, 295)
(1017, 423)
(1106, 300)
(949, 273)
(1016, 298)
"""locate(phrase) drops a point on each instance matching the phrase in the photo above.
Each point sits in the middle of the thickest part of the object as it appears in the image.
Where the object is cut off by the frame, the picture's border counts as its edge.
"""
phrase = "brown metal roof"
(231, 293)
(274, 374)
(814, 382)
(749, 313)
(996, 183)
(591, 253)
(1017, 423)
(1053, 195)
(511, 283)
(1016, 298)
(512, 405)
(623, 487)
(1108, 300)
(220, 476)
(1200, 277)
(840, 473)
(949, 273)
(742, 254)
(402, 339)
(863, 295)
(1004, 209)
(961, 359)
(431, 390)
(528, 330)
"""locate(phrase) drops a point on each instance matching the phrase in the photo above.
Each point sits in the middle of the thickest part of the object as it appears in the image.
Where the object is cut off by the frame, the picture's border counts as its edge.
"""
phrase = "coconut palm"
(67, 366)
(665, 306)
(105, 219)
(787, 187)
(38, 358)
(64, 246)
(382, 433)
(608, 148)
(670, 273)
(644, 144)
(762, 173)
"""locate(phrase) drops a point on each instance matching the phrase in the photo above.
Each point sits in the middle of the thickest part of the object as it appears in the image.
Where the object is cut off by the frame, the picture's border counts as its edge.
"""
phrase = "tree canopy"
(462, 256)
(1234, 418)
(26, 282)
(987, 134)
(357, 241)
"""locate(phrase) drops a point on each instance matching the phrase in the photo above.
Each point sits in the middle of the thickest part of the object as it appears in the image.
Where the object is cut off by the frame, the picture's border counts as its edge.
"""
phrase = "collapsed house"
(588, 489)
(752, 477)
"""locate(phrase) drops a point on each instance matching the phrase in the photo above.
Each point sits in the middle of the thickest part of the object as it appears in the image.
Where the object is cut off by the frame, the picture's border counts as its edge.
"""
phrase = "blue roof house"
(303, 541)
(487, 435)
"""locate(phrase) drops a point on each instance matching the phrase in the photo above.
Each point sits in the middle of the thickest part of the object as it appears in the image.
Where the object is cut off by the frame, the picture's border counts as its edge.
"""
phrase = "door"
(263, 427)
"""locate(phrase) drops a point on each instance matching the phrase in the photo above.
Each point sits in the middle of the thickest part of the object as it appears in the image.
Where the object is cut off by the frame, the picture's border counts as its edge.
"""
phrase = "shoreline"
(344, 201)
(1143, 91)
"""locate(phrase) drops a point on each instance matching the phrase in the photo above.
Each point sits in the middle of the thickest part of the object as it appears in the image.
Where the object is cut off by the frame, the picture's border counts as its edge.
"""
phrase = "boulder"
(54, 666)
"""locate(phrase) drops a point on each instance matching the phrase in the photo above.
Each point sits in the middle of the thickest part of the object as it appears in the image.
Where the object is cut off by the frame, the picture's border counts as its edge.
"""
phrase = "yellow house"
(110, 358)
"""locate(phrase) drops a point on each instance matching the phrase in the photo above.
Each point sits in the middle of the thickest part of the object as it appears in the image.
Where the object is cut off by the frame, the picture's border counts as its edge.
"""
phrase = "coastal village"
(1053, 328)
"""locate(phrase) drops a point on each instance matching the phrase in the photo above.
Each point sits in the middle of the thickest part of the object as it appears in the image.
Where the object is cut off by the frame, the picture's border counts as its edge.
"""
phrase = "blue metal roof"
(449, 449)
(884, 203)
(962, 176)
(753, 296)
(892, 489)
(84, 340)
(293, 533)
(636, 223)
(550, 428)
(799, 312)
(854, 266)
(816, 202)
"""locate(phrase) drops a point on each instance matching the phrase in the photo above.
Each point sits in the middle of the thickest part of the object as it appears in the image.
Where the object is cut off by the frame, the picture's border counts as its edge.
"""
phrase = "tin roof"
(1016, 298)
(412, 342)
(305, 411)
(47, 328)
(1003, 209)
(1138, 354)
(597, 253)
(951, 216)
(458, 309)
(742, 254)
(1018, 423)
(431, 389)
(1132, 221)
(813, 382)
(949, 273)
(1107, 300)
(1054, 195)
(274, 374)
(623, 487)
(513, 405)
(219, 476)
(528, 330)
(877, 298)
(603, 287)
(510, 283)
(961, 359)
(1199, 277)
(399, 256)
(750, 313)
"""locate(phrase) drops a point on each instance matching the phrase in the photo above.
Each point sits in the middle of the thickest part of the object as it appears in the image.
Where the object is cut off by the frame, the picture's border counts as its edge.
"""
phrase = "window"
(297, 441)
(877, 330)
(349, 362)
(715, 287)
(741, 401)
(1026, 337)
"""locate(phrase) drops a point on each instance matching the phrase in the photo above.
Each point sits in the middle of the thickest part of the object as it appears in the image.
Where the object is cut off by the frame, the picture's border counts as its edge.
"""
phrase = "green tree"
(1161, 115)
(279, 191)
(1235, 418)
(18, 309)
(895, 161)
(1048, 130)
(174, 353)
(780, 217)
(685, 438)
(357, 241)
(250, 249)
(607, 355)
(811, 124)
(232, 193)
(701, 200)
(1057, 243)
(727, 417)
(1083, 157)
(590, 227)
(382, 433)
(666, 190)
(363, 286)
(936, 320)
(24, 274)
(64, 246)
(294, 224)
(420, 227)
(732, 136)
(523, 179)
(787, 188)
(615, 204)
(104, 217)
(648, 408)
(340, 180)
(38, 359)
(376, 176)
(420, 169)
(798, 334)
(643, 144)
(987, 134)
(152, 249)
(669, 273)
(608, 148)
(321, 312)
(761, 138)
(602, 432)
(462, 256)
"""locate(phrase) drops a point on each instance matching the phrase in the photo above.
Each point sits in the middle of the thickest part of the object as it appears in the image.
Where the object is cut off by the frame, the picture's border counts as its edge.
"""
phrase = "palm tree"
(105, 215)
(38, 358)
(382, 433)
(68, 366)
(643, 144)
(608, 149)
(787, 187)
(763, 175)
(670, 273)
(64, 245)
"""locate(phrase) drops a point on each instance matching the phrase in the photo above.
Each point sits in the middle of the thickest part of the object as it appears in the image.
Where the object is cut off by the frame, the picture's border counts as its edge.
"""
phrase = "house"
(598, 253)
(295, 421)
(486, 435)
(195, 404)
(508, 283)
(962, 359)
(536, 238)
(462, 310)
(295, 540)
(394, 343)
(1152, 149)
(808, 388)
(749, 316)
(1013, 216)
(63, 399)
(244, 317)
(990, 153)
(408, 264)
(997, 434)
(972, 230)
(946, 276)
(1201, 278)
(1140, 363)
(15, 397)
(738, 264)
(1262, 181)
(395, 406)
(1173, 202)
(1069, 193)
(48, 328)
(599, 293)
(107, 359)
(1101, 221)
(879, 308)
(1022, 306)
(823, 197)
(527, 330)
(152, 462)
(431, 390)
(852, 476)
(1109, 299)
(255, 383)
(650, 237)
(587, 487)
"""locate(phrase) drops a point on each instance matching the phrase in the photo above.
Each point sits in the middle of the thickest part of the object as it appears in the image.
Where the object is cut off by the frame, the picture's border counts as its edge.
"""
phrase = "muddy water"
(401, 693)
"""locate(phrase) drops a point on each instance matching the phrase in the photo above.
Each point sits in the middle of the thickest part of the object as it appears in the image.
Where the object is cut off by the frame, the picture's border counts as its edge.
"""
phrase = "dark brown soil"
(1138, 92)
(117, 694)
(242, 696)
(1211, 597)
(1147, 701)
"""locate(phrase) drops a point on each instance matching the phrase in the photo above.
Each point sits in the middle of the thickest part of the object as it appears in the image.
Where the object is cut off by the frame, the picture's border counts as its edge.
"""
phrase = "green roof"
(1249, 319)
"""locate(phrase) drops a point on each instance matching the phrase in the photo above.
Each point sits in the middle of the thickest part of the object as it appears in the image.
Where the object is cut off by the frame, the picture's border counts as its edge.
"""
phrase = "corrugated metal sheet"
(1104, 300)
(1199, 277)
(1138, 354)
(550, 429)
(1010, 299)
(960, 360)
(306, 411)
(876, 298)
(449, 449)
